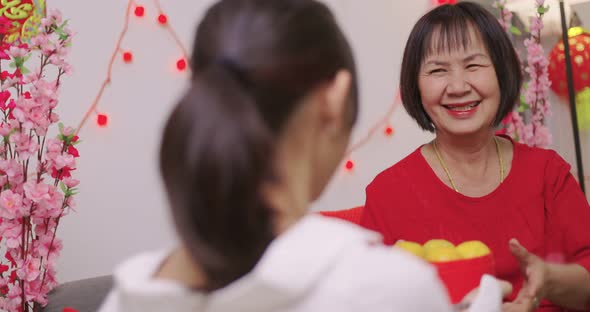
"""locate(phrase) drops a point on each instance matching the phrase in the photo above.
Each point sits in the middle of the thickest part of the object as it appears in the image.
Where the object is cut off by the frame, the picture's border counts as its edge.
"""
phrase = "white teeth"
(463, 108)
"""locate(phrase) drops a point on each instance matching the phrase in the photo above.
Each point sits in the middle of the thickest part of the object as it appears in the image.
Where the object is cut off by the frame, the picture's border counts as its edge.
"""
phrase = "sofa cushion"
(84, 295)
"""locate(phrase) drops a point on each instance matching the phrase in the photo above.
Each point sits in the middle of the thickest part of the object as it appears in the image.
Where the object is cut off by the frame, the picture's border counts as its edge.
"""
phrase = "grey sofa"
(83, 295)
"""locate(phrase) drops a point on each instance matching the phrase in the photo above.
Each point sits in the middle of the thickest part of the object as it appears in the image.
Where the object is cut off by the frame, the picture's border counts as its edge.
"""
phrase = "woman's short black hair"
(451, 24)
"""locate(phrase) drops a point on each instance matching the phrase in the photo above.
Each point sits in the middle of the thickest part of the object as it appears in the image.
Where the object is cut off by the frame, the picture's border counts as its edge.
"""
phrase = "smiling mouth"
(462, 107)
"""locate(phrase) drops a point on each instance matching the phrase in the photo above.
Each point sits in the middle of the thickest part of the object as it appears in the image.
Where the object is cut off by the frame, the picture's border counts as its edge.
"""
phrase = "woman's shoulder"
(538, 158)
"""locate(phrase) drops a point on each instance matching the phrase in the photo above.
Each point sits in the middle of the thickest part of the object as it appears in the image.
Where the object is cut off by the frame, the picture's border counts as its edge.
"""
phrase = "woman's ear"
(336, 98)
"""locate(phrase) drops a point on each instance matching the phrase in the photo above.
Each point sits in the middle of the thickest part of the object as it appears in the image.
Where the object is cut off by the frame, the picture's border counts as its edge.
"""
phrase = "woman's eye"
(473, 66)
(436, 70)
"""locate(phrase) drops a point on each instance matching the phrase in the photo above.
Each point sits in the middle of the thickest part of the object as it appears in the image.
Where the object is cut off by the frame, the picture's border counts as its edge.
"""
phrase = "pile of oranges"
(440, 250)
(460, 267)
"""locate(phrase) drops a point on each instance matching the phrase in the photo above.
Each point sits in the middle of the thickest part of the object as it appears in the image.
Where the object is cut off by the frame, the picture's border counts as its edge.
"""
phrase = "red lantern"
(579, 42)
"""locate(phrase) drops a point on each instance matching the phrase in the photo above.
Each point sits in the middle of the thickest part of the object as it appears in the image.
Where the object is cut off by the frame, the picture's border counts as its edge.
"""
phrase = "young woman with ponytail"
(255, 138)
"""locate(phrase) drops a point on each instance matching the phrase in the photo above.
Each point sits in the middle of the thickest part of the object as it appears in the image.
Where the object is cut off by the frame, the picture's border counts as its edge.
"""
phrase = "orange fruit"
(473, 249)
(436, 243)
(412, 247)
(441, 254)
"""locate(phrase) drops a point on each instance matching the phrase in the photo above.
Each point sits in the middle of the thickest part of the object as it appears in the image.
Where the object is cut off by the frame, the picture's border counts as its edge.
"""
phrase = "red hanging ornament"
(139, 11)
(579, 43)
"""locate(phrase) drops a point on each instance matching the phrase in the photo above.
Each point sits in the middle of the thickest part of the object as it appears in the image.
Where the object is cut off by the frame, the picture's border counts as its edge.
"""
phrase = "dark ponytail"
(253, 61)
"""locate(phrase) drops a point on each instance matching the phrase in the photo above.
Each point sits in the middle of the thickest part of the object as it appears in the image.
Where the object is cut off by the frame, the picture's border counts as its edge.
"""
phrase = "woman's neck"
(466, 150)
(181, 268)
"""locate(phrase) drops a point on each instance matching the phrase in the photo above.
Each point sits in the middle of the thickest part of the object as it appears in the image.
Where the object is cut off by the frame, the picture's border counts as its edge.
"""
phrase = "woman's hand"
(534, 287)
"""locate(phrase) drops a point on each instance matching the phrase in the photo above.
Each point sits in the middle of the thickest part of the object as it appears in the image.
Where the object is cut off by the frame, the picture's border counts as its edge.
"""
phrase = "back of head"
(253, 62)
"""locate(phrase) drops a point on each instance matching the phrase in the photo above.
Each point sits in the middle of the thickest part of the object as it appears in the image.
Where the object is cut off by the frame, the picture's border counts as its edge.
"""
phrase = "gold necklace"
(444, 165)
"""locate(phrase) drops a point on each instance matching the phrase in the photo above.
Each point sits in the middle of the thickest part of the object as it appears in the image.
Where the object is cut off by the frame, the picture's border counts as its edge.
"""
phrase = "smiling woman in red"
(460, 77)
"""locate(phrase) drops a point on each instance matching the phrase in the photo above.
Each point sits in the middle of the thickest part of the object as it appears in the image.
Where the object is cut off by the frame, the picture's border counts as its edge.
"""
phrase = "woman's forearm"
(568, 285)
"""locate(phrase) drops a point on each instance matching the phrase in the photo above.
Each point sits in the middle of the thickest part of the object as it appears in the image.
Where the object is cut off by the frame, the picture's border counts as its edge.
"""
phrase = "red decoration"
(441, 2)
(388, 131)
(162, 19)
(127, 57)
(181, 64)
(102, 120)
(139, 11)
(349, 165)
(68, 309)
(579, 42)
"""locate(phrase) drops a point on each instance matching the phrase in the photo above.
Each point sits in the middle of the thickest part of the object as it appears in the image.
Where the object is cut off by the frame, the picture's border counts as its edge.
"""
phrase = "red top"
(539, 203)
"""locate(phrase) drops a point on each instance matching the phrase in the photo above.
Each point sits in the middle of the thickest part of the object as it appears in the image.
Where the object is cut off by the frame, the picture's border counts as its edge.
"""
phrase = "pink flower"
(49, 246)
(17, 52)
(10, 204)
(71, 204)
(11, 231)
(4, 129)
(67, 131)
(64, 160)
(71, 182)
(36, 191)
(54, 145)
(30, 270)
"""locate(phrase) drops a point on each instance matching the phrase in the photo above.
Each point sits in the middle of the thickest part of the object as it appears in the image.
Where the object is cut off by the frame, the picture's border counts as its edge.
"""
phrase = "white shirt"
(319, 264)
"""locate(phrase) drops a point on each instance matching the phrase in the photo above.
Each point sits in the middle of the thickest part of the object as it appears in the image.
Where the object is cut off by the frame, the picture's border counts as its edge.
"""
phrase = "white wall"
(121, 208)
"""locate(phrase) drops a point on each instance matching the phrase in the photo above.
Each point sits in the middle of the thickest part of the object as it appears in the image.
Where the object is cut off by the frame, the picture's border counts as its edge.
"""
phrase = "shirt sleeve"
(372, 209)
(568, 212)
(420, 289)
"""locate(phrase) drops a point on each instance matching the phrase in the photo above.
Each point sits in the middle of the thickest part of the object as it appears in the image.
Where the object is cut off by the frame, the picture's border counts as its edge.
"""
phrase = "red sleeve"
(568, 212)
(373, 208)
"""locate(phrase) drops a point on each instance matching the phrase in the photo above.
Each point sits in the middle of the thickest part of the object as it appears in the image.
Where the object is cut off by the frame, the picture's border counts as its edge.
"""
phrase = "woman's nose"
(457, 84)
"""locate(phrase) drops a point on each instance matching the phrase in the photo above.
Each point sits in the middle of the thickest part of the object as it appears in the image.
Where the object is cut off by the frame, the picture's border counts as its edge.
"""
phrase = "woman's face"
(459, 88)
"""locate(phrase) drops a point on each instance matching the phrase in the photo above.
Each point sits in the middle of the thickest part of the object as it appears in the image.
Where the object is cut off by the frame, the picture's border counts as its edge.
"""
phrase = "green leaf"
(542, 9)
(523, 107)
(63, 187)
(515, 30)
(60, 126)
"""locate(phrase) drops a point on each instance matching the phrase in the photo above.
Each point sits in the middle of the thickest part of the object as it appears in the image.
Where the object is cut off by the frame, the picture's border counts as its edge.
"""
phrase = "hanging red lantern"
(579, 42)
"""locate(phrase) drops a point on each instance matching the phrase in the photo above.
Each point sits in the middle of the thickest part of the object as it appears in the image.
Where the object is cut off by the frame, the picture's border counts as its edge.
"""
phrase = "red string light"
(441, 2)
(388, 131)
(139, 11)
(181, 64)
(162, 19)
(102, 120)
(377, 127)
(127, 57)
(349, 165)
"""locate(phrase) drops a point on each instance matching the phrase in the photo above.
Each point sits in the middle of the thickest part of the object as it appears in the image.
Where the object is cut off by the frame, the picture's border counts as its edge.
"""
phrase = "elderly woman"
(460, 77)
